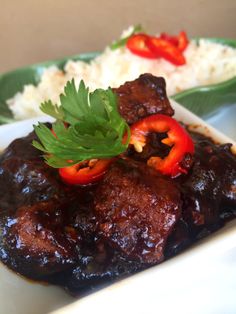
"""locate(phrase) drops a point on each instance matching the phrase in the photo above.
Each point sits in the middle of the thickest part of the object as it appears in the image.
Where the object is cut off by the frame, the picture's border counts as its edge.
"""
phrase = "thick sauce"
(82, 237)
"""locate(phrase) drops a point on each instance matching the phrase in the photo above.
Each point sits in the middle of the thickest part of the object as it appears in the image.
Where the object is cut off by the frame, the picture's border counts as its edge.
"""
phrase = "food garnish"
(164, 46)
(89, 132)
(178, 139)
(181, 41)
(152, 47)
(86, 172)
(122, 41)
(138, 45)
(165, 49)
(94, 128)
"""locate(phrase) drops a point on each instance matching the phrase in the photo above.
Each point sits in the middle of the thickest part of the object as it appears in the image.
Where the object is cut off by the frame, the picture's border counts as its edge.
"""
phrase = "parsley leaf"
(95, 130)
(122, 41)
(52, 110)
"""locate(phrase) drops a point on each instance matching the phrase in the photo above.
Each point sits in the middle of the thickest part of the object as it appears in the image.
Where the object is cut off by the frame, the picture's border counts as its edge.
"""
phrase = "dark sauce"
(51, 232)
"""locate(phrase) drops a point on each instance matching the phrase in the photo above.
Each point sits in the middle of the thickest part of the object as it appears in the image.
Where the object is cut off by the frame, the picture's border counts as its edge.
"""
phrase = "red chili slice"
(137, 44)
(86, 172)
(53, 133)
(178, 139)
(171, 39)
(166, 50)
(181, 41)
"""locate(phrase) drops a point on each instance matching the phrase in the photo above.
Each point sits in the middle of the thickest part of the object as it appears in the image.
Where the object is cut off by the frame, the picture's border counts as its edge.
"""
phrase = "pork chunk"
(36, 241)
(209, 189)
(99, 266)
(143, 97)
(137, 209)
(25, 178)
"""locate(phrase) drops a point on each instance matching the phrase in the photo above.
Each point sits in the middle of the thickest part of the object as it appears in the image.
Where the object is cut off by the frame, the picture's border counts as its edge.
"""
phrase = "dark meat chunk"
(143, 97)
(137, 210)
(179, 239)
(22, 148)
(36, 240)
(28, 182)
(97, 262)
(25, 178)
(99, 267)
(210, 187)
(84, 221)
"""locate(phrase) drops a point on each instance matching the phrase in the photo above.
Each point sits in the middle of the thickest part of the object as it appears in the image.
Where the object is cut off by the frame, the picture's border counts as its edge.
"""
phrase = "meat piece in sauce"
(34, 207)
(36, 240)
(137, 209)
(100, 264)
(26, 176)
(210, 187)
(51, 231)
(143, 97)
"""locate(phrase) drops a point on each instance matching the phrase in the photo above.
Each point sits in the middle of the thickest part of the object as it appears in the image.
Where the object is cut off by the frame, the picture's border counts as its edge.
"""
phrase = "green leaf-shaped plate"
(206, 100)
(13, 82)
(201, 100)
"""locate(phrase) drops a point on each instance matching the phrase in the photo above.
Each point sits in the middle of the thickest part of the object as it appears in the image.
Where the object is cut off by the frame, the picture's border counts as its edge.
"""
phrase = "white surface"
(225, 121)
(200, 280)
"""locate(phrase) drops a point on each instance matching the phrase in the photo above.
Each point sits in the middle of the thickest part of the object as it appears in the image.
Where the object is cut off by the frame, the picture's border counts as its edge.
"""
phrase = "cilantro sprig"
(88, 125)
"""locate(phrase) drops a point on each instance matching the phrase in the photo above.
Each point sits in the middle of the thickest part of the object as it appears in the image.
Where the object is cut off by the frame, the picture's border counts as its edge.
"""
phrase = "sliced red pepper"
(53, 133)
(166, 50)
(178, 139)
(171, 39)
(137, 44)
(65, 124)
(181, 41)
(86, 172)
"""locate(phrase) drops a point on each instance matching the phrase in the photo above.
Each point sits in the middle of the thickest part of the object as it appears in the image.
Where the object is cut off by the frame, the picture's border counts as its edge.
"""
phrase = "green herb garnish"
(122, 41)
(88, 125)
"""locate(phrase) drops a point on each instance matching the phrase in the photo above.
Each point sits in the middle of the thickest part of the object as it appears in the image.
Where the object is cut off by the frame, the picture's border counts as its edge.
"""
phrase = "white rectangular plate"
(200, 280)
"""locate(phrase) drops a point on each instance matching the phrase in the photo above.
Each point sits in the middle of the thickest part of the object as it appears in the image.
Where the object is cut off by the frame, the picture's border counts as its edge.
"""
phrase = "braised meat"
(36, 240)
(99, 264)
(48, 231)
(143, 97)
(79, 237)
(137, 210)
(210, 187)
(25, 178)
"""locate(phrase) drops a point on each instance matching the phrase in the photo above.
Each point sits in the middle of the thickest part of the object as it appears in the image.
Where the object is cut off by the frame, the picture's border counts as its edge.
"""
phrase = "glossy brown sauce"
(82, 238)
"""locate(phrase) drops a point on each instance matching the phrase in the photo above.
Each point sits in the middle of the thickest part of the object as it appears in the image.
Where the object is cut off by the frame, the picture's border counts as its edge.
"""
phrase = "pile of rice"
(207, 63)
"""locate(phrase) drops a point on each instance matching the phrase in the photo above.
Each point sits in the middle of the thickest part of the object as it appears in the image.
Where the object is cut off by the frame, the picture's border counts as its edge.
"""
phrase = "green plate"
(207, 100)
(201, 100)
(14, 81)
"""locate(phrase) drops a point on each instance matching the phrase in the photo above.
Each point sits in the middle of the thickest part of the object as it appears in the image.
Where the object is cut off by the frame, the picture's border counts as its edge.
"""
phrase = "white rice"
(207, 63)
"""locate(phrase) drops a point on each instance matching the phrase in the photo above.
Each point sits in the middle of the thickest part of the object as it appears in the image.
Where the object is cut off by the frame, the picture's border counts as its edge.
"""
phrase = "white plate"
(200, 280)
(224, 120)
